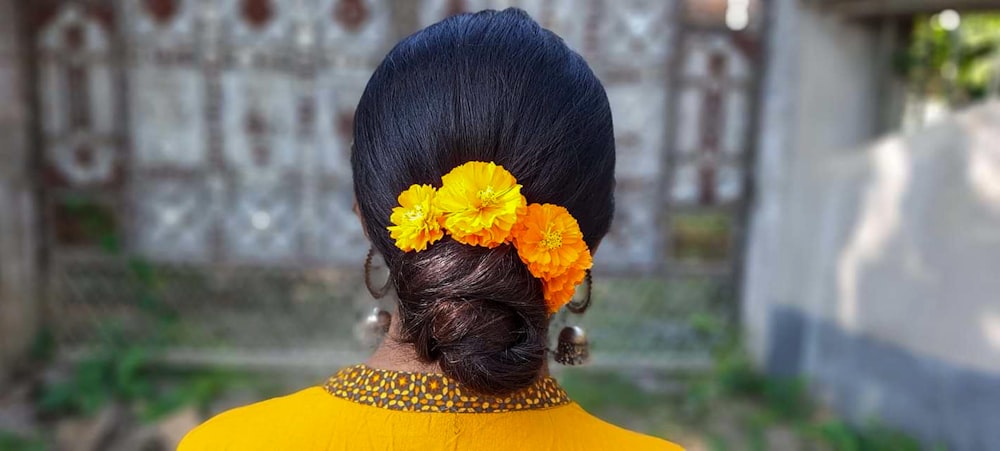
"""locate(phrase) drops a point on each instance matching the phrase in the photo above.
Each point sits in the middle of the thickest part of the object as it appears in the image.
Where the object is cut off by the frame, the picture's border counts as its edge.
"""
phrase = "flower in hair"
(481, 203)
(417, 221)
(549, 241)
(558, 290)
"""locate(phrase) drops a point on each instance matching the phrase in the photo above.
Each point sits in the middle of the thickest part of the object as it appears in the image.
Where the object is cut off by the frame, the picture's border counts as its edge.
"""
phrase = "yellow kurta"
(361, 408)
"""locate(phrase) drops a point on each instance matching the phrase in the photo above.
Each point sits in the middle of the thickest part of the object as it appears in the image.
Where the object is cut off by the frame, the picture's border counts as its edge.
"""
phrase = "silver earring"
(374, 326)
(572, 348)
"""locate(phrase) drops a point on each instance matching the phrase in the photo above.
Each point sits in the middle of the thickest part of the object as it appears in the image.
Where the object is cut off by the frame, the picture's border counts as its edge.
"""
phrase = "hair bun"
(478, 312)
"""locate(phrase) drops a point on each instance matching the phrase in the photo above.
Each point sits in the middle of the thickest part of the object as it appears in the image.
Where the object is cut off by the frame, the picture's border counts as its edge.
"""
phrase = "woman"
(483, 167)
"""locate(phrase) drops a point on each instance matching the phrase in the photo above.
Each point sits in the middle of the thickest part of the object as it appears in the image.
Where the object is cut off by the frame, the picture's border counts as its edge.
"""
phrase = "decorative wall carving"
(221, 129)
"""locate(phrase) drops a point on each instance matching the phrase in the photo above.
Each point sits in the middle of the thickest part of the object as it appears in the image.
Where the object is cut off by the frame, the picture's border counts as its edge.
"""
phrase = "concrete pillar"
(18, 213)
(821, 96)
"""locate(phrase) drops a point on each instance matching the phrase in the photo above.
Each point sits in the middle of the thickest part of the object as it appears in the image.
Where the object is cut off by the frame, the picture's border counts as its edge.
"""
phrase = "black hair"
(490, 86)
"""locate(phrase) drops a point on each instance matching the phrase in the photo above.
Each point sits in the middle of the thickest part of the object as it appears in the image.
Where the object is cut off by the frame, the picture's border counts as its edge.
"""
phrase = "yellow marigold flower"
(481, 202)
(548, 239)
(559, 290)
(417, 221)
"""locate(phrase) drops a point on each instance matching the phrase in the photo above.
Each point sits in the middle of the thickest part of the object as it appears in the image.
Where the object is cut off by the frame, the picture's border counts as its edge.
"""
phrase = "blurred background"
(805, 254)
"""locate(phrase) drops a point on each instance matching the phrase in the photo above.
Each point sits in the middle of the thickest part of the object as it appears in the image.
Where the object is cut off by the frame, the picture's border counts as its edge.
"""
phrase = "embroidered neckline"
(428, 392)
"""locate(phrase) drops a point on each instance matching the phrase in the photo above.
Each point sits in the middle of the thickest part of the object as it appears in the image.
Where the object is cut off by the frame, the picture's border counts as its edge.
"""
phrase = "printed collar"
(429, 392)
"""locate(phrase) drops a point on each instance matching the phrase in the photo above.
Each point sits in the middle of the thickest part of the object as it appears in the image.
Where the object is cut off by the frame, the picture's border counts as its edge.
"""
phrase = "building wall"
(18, 303)
(873, 262)
(888, 294)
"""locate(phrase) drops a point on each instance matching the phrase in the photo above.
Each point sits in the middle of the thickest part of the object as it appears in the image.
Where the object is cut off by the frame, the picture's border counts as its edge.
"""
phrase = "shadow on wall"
(983, 172)
(920, 267)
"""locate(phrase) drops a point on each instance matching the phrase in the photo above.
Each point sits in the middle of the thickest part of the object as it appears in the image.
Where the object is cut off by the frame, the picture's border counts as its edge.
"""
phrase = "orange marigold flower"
(417, 221)
(548, 239)
(559, 290)
(481, 203)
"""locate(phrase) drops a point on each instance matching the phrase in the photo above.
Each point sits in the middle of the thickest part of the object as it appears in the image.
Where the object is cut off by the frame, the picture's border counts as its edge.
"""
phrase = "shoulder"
(567, 427)
(250, 427)
(603, 435)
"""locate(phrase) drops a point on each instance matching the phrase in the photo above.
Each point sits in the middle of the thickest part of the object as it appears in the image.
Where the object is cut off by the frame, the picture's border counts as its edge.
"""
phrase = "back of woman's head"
(491, 86)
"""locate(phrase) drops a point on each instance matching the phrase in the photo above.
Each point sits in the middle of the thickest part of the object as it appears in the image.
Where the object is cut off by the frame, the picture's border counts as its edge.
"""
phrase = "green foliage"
(43, 347)
(616, 391)
(873, 436)
(11, 442)
(129, 373)
(788, 398)
(90, 222)
(717, 443)
(702, 236)
(123, 367)
(755, 427)
(956, 65)
(775, 402)
(731, 406)
(837, 434)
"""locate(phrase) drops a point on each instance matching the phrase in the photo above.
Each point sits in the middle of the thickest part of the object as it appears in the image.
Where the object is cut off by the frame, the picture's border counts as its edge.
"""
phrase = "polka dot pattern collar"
(428, 392)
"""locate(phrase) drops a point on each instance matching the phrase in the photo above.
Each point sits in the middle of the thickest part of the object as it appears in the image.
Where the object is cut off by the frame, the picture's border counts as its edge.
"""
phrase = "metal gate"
(196, 153)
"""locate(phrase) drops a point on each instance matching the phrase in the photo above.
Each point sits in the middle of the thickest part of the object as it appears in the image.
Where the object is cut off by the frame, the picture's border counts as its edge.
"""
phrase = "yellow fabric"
(315, 419)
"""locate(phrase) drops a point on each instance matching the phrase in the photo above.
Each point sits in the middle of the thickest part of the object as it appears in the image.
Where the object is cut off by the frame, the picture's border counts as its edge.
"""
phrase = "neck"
(394, 355)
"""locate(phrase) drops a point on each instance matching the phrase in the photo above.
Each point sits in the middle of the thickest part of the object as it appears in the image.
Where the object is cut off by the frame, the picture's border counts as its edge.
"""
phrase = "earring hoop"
(581, 306)
(376, 292)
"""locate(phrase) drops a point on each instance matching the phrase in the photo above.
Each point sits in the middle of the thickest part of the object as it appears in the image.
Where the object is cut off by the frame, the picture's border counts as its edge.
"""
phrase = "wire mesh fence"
(280, 317)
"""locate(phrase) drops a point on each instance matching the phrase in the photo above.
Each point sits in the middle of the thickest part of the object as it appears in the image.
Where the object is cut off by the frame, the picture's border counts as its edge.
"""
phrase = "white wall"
(900, 242)
(886, 287)
(873, 264)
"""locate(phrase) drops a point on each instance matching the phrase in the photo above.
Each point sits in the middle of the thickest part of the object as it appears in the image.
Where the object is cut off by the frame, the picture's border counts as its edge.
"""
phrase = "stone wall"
(18, 295)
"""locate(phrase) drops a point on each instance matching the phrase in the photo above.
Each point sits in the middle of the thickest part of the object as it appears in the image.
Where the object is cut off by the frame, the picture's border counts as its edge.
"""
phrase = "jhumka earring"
(375, 325)
(572, 347)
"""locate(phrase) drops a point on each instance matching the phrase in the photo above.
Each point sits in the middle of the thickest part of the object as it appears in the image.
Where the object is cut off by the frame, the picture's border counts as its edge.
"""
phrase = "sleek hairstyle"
(490, 86)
